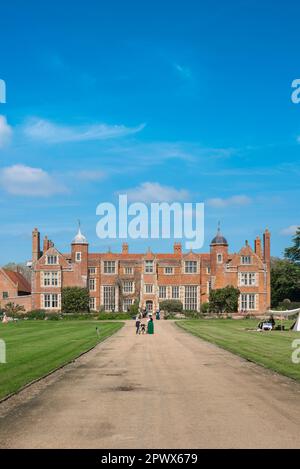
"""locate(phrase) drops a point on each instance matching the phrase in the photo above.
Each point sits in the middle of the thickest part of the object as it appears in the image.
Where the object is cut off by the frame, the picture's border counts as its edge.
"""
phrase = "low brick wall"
(18, 300)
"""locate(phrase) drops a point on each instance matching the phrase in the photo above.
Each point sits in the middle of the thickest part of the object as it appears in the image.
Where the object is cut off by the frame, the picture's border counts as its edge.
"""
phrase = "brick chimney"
(267, 246)
(45, 244)
(257, 246)
(125, 248)
(177, 248)
(36, 250)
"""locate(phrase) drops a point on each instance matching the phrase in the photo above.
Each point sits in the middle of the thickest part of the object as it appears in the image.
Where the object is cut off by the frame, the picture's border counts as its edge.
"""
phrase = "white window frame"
(190, 297)
(78, 256)
(219, 258)
(92, 284)
(50, 278)
(248, 302)
(93, 303)
(245, 259)
(109, 267)
(149, 267)
(162, 292)
(128, 286)
(247, 279)
(109, 297)
(51, 300)
(169, 270)
(149, 288)
(175, 288)
(128, 270)
(127, 303)
(92, 270)
(52, 259)
(190, 267)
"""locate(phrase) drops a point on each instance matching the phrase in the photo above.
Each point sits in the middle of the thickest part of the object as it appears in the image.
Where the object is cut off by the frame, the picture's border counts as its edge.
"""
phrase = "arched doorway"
(149, 306)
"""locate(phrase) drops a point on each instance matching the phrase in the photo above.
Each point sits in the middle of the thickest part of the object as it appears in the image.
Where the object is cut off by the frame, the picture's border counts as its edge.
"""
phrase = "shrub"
(75, 300)
(53, 317)
(79, 316)
(134, 309)
(171, 306)
(193, 314)
(36, 314)
(205, 308)
(224, 300)
(112, 316)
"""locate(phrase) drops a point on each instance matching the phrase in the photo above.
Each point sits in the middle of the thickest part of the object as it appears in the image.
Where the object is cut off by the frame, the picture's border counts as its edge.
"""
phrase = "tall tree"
(285, 281)
(224, 300)
(293, 253)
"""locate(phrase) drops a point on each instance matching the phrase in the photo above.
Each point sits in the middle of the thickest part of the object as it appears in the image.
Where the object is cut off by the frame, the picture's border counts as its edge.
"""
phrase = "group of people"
(144, 322)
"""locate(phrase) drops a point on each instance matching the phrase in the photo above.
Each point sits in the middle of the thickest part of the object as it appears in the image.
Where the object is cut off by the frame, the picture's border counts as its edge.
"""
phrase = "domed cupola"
(79, 238)
(219, 239)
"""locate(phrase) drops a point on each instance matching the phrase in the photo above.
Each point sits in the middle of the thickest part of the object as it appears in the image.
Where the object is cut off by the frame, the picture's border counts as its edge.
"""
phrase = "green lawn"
(270, 349)
(34, 348)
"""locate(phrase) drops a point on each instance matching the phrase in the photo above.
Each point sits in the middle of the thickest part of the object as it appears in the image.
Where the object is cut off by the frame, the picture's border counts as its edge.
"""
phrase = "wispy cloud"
(5, 132)
(49, 132)
(90, 175)
(21, 180)
(236, 200)
(148, 192)
(289, 230)
(183, 71)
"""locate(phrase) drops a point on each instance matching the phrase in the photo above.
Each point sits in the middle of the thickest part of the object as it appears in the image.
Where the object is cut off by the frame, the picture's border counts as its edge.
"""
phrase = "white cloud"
(26, 181)
(289, 230)
(5, 132)
(234, 200)
(154, 192)
(49, 132)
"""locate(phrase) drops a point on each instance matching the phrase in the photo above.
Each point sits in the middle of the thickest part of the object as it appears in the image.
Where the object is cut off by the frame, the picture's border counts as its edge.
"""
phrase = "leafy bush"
(224, 300)
(171, 306)
(205, 308)
(112, 316)
(134, 309)
(53, 317)
(79, 316)
(193, 314)
(289, 305)
(75, 300)
(36, 314)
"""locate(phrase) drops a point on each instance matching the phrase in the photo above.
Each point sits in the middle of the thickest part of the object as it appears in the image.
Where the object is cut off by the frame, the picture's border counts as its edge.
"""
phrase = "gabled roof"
(18, 279)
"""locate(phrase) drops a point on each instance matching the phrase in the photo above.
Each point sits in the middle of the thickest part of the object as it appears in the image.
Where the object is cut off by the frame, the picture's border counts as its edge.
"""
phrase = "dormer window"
(190, 267)
(148, 267)
(78, 256)
(52, 260)
(246, 260)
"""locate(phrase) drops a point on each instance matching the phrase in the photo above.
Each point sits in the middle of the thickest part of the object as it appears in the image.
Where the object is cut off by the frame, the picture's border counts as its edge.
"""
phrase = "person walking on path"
(137, 323)
(150, 329)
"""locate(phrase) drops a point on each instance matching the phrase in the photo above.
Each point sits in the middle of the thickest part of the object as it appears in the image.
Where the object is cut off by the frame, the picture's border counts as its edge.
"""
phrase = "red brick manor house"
(115, 280)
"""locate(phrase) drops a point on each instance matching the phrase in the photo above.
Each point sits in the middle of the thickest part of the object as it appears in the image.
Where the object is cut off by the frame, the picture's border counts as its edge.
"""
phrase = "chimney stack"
(125, 248)
(36, 250)
(257, 247)
(177, 248)
(45, 244)
(267, 246)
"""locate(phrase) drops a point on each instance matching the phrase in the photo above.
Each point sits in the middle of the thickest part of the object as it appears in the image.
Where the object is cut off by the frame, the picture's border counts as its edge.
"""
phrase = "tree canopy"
(285, 281)
(224, 300)
(293, 252)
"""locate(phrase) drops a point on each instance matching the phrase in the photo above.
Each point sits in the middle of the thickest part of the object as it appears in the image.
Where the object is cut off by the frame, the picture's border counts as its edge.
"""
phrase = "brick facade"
(115, 280)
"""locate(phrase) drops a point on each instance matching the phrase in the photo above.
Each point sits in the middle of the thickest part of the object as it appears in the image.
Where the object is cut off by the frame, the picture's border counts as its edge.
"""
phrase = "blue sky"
(169, 100)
